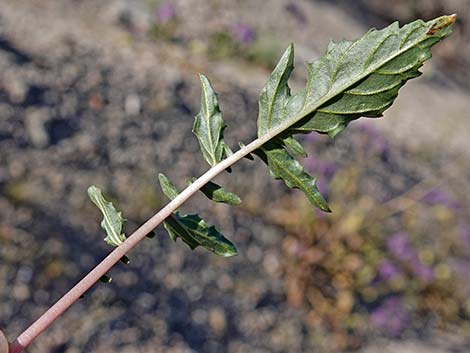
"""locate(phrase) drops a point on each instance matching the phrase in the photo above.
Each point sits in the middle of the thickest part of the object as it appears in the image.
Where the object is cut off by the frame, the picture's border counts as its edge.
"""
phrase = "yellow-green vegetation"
(385, 261)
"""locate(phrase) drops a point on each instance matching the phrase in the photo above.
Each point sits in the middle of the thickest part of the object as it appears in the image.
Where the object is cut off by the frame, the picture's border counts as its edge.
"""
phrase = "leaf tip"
(168, 188)
(236, 201)
(441, 23)
(106, 279)
(202, 77)
(230, 252)
(92, 189)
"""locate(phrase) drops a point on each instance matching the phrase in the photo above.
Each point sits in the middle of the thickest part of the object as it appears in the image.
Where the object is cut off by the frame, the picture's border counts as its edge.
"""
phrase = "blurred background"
(104, 93)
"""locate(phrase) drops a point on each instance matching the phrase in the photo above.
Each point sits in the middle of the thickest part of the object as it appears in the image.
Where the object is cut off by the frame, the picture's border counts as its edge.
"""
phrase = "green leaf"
(227, 150)
(192, 229)
(168, 188)
(330, 124)
(195, 232)
(294, 146)
(217, 193)
(275, 94)
(112, 219)
(283, 166)
(209, 126)
(273, 101)
(361, 78)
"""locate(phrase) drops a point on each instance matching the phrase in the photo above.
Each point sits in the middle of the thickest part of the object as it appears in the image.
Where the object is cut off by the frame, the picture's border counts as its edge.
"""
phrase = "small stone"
(199, 316)
(217, 321)
(254, 254)
(21, 292)
(271, 264)
(35, 121)
(16, 90)
(24, 274)
(225, 282)
(132, 104)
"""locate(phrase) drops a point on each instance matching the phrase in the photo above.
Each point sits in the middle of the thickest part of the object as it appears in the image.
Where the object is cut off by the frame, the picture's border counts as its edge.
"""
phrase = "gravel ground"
(85, 100)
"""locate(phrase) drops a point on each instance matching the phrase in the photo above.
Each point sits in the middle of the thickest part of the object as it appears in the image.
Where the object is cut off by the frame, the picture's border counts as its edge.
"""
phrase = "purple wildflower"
(438, 196)
(323, 168)
(322, 186)
(387, 270)
(165, 13)
(328, 169)
(312, 137)
(391, 317)
(464, 230)
(243, 33)
(311, 163)
(423, 272)
(399, 246)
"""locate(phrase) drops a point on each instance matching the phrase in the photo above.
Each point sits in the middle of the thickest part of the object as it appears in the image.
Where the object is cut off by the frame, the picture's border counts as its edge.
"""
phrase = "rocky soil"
(88, 98)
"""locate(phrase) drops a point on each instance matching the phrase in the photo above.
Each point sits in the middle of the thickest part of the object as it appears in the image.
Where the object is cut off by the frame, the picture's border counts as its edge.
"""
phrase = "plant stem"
(41, 324)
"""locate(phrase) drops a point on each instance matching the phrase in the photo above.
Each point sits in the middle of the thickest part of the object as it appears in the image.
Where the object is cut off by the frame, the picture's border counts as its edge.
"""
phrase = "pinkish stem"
(41, 324)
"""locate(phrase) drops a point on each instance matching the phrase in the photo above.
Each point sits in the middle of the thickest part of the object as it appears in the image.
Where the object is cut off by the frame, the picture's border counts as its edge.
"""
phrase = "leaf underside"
(217, 193)
(112, 221)
(283, 166)
(209, 126)
(192, 229)
(352, 79)
(168, 188)
(195, 232)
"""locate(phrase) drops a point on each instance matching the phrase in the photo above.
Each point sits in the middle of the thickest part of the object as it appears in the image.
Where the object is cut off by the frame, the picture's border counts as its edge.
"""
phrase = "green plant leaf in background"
(192, 229)
(217, 193)
(195, 232)
(112, 221)
(209, 125)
